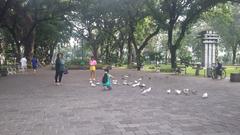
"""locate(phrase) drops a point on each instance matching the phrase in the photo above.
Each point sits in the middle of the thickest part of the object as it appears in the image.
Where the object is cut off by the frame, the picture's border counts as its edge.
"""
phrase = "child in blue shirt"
(106, 80)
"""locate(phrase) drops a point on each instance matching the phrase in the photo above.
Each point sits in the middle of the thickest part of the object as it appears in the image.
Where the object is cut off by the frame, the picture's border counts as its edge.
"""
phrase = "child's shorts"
(92, 68)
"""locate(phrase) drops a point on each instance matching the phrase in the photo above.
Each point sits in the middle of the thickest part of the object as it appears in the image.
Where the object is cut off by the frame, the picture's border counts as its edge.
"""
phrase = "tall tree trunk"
(102, 51)
(95, 52)
(107, 54)
(129, 52)
(121, 55)
(173, 51)
(138, 58)
(51, 53)
(18, 53)
(166, 56)
(171, 46)
(234, 51)
(29, 43)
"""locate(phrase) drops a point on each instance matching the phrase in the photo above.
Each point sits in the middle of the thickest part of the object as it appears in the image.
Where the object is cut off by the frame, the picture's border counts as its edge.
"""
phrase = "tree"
(180, 16)
(49, 34)
(225, 20)
(141, 26)
(22, 17)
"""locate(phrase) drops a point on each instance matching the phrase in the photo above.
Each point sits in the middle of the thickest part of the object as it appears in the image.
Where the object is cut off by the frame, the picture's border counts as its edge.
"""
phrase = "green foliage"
(185, 56)
(107, 26)
(78, 62)
(225, 20)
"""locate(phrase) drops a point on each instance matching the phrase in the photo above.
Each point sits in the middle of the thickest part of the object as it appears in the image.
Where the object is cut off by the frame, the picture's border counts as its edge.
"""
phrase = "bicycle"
(215, 75)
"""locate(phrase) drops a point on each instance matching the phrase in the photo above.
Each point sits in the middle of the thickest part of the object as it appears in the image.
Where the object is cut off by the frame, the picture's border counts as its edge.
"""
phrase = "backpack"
(65, 71)
(105, 77)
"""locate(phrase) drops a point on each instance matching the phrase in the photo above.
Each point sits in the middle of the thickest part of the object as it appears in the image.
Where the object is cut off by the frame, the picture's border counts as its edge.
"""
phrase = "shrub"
(167, 70)
(3, 71)
(77, 62)
(151, 67)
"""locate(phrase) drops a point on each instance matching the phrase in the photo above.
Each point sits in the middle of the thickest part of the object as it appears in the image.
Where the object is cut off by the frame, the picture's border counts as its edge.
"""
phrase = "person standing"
(34, 64)
(59, 67)
(23, 62)
(92, 64)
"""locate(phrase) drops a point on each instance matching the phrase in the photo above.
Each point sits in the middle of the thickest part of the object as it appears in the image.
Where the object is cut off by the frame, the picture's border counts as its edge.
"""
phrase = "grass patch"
(190, 70)
(232, 69)
(152, 68)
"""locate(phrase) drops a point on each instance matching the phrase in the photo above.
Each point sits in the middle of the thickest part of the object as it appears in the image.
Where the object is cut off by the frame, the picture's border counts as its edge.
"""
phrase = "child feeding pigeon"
(106, 80)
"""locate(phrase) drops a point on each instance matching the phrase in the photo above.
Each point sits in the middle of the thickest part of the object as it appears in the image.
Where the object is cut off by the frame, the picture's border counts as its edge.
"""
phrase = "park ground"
(30, 104)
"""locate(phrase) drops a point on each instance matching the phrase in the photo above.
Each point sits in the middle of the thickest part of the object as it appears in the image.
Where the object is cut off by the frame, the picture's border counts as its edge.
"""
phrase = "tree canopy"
(110, 28)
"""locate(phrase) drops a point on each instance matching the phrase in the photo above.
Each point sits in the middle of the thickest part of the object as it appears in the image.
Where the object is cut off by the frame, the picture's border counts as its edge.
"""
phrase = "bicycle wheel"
(223, 76)
(213, 74)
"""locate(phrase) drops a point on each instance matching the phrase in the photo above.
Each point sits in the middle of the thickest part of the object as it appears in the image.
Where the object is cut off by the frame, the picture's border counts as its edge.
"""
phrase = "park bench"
(198, 67)
(3, 71)
(12, 70)
(180, 70)
(8, 70)
(235, 77)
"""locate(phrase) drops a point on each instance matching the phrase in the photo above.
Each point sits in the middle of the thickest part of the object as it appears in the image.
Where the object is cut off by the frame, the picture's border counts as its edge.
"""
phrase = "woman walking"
(59, 66)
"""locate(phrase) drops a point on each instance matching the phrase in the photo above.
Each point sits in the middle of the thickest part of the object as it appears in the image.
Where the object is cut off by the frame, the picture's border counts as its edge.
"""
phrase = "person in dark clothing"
(34, 64)
(59, 66)
(218, 68)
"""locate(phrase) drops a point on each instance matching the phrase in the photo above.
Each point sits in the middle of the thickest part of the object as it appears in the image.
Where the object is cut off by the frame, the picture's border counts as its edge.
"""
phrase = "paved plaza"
(30, 104)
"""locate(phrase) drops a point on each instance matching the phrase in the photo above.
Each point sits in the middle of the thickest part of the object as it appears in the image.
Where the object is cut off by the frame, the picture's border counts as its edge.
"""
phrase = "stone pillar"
(210, 48)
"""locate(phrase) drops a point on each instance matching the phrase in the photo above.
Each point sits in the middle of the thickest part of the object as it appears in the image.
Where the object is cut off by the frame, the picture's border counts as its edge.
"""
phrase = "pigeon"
(142, 86)
(97, 83)
(186, 91)
(178, 92)
(115, 81)
(168, 91)
(136, 84)
(129, 83)
(146, 90)
(194, 92)
(93, 85)
(205, 95)
(125, 82)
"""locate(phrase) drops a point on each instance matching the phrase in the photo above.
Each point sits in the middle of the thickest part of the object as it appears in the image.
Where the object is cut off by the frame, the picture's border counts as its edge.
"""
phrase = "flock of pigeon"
(137, 83)
(144, 89)
(186, 92)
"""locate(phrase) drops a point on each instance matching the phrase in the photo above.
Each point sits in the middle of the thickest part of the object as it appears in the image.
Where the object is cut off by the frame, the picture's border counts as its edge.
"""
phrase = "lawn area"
(229, 70)
(190, 71)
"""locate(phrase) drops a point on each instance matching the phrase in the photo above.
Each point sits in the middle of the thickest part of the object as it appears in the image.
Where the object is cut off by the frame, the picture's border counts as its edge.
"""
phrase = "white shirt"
(23, 61)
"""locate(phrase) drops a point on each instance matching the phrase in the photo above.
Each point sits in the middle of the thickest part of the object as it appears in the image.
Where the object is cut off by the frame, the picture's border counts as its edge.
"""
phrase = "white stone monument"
(210, 48)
